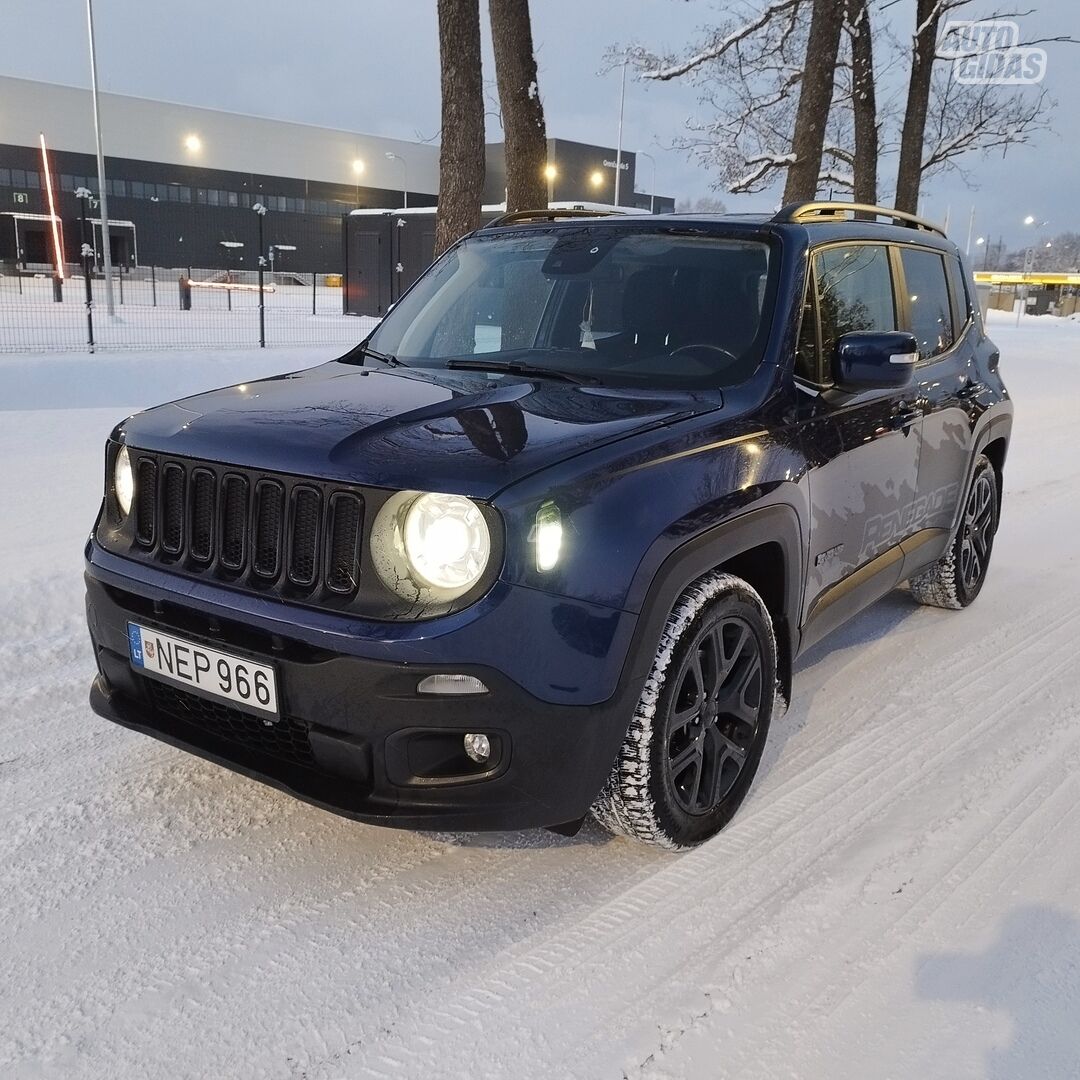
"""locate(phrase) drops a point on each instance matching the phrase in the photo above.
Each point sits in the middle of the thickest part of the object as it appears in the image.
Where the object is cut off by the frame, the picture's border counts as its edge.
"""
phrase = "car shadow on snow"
(1032, 973)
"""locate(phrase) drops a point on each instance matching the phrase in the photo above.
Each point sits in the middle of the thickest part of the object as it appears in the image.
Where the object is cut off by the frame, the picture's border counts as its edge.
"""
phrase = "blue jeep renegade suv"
(549, 540)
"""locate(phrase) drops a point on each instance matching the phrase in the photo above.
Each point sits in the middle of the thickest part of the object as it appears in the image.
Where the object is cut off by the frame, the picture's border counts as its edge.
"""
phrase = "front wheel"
(696, 738)
(957, 577)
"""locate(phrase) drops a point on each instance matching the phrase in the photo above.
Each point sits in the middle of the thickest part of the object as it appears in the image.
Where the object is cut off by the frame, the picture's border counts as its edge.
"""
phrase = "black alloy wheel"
(713, 717)
(977, 532)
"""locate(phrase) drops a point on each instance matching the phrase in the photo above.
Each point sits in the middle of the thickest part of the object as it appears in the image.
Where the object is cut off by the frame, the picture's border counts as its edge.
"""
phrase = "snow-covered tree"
(889, 98)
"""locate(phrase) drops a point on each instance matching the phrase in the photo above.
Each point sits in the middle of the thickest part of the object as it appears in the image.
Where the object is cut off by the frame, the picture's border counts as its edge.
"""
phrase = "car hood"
(465, 432)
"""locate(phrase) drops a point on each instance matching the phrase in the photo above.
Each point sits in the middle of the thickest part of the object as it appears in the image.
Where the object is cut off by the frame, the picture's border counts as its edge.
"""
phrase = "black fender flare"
(995, 424)
(778, 524)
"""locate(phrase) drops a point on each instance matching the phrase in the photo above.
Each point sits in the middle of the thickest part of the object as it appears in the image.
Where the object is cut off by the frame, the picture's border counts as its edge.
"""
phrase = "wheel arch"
(765, 548)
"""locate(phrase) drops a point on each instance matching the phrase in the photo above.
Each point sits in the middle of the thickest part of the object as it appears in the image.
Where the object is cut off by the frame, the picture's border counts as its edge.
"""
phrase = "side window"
(855, 292)
(928, 299)
(960, 295)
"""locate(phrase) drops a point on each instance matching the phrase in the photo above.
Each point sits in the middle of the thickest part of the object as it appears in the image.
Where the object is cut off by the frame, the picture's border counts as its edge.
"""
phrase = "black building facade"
(176, 215)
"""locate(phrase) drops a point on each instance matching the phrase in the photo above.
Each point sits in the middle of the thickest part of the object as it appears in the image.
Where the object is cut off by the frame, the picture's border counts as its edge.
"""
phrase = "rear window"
(648, 308)
(960, 295)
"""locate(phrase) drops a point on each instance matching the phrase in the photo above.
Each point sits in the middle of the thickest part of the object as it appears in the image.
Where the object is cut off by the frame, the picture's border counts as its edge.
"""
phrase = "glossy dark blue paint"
(866, 360)
(646, 482)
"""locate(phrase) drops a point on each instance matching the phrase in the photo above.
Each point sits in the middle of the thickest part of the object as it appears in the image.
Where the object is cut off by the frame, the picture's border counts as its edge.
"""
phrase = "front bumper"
(355, 737)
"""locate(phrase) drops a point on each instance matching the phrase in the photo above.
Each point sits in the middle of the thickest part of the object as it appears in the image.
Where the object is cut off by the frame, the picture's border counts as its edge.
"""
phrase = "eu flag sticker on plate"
(135, 642)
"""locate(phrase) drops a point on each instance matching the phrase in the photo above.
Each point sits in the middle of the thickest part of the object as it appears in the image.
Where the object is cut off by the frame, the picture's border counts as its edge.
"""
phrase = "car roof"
(818, 222)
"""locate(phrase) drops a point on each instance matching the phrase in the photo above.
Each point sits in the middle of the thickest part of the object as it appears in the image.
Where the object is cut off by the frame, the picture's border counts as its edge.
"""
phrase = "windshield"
(618, 307)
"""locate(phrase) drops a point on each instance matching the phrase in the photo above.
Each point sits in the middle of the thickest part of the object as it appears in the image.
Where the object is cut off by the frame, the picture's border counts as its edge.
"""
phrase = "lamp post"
(652, 186)
(618, 144)
(260, 212)
(1029, 266)
(106, 243)
(405, 177)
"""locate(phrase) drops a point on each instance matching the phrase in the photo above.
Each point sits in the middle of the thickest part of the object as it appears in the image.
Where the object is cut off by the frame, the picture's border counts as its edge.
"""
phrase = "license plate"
(195, 667)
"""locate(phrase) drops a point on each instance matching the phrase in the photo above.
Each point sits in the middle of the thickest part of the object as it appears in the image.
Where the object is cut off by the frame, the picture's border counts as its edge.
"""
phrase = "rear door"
(863, 448)
(937, 309)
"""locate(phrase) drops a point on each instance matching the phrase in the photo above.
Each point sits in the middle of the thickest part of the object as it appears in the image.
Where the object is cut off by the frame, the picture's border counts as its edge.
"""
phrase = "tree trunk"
(864, 102)
(522, 111)
(815, 100)
(461, 156)
(909, 171)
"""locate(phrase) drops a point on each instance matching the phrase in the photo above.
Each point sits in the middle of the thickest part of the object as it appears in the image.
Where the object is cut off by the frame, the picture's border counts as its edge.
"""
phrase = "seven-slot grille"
(255, 528)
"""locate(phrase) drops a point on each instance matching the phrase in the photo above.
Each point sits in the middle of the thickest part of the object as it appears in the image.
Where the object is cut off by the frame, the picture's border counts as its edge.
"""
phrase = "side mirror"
(868, 360)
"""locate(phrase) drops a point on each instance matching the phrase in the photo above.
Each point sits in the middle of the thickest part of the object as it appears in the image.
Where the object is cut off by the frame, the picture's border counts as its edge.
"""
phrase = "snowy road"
(899, 897)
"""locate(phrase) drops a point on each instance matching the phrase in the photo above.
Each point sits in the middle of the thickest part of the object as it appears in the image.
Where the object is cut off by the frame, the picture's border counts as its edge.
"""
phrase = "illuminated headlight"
(430, 547)
(547, 535)
(123, 481)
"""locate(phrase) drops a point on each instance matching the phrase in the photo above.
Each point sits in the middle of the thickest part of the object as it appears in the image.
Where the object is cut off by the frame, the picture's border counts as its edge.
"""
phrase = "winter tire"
(957, 577)
(696, 738)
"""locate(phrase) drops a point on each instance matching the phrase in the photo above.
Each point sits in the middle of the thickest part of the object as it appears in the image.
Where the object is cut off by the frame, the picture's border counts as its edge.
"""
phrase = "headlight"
(123, 481)
(429, 546)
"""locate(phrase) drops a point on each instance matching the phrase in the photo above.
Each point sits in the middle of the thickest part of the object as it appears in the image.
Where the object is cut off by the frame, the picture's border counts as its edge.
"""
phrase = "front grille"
(146, 504)
(285, 739)
(203, 512)
(173, 482)
(298, 537)
(304, 536)
(234, 516)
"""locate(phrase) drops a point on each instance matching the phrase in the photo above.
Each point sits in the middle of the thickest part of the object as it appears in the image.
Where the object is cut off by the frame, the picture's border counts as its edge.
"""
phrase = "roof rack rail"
(801, 213)
(519, 217)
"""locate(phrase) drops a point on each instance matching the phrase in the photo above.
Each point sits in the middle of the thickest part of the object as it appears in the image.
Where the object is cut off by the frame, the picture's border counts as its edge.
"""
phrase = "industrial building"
(181, 182)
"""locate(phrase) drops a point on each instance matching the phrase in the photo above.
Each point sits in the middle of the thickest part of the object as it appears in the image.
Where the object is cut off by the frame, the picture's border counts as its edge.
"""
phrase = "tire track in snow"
(840, 788)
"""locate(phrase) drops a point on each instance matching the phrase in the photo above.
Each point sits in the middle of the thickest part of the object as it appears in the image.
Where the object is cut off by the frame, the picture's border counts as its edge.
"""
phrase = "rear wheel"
(696, 738)
(957, 577)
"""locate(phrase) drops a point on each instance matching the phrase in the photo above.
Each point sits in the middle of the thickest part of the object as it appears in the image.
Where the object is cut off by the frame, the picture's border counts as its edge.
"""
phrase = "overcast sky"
(372, 66)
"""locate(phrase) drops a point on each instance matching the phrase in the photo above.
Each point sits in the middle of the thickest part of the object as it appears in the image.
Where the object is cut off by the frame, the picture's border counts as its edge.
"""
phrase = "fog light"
(450, 684)
(547, 535)
(478, 747)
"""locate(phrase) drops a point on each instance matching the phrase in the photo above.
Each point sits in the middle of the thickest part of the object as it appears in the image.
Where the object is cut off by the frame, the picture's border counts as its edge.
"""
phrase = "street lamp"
(192, 143)
(550, 172)
(391, 156)
(596, 178)
(1029, 266)
(103, 198)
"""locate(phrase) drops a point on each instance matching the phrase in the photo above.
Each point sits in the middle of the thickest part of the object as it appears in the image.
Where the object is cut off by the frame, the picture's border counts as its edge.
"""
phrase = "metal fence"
(173, 307)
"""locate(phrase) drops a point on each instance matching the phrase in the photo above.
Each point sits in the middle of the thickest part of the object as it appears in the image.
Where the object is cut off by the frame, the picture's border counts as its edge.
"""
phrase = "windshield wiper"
(387, 358)
(514, 367)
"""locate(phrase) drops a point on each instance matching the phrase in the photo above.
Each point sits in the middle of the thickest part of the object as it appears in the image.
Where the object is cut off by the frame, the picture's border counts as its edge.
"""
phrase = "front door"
(862, 449)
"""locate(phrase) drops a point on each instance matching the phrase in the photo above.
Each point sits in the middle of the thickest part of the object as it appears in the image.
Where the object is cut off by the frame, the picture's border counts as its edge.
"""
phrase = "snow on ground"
(899, 896)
